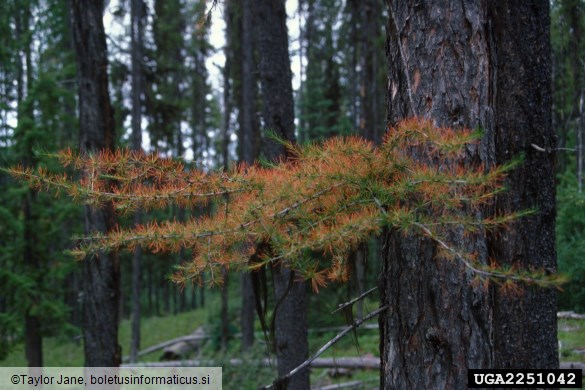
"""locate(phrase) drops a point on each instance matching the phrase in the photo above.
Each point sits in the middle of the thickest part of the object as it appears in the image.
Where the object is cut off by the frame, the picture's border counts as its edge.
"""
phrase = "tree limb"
(330, 343)
(354, 300)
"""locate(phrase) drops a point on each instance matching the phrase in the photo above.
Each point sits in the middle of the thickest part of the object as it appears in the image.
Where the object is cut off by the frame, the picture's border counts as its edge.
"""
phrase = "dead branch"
(349, 303)
(331, 342)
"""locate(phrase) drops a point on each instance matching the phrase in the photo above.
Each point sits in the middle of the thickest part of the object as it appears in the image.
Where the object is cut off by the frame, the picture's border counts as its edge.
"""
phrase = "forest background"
(192, 105)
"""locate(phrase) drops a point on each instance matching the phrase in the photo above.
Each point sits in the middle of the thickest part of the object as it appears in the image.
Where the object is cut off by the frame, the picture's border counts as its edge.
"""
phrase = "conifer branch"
(490, 274)
(326, 199)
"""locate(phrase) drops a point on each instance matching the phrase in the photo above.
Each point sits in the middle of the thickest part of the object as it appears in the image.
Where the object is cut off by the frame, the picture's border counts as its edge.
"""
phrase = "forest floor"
(60, 351)
(571, 340)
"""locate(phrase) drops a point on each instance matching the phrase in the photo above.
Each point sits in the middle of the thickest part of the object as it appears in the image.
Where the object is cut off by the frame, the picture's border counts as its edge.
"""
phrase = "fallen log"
(570, 315)
(365, 362)
(345, 385)
(183, 348)
(193, 337)
(574, 365)
(164, 344)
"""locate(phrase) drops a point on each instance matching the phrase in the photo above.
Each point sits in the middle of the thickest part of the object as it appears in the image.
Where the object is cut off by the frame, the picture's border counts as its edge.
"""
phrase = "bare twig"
(549, 150)
(330, 343)
(349, 303)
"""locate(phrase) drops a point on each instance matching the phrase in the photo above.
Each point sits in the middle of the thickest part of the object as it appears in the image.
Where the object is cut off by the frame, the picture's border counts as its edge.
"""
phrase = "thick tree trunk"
(101, 272)
(278, 113)
(525, 326)
(460, 64)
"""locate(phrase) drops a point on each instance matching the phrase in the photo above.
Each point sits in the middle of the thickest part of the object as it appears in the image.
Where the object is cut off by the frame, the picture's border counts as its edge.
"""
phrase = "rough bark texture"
(460, 64)
(248, 145)
(101, 272)
(271, 40)
(371, 90)
(525, 326)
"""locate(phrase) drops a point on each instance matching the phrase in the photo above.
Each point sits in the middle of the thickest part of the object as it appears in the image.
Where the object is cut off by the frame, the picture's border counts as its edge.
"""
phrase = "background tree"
(36, 109)
(101, 290)
(138, 14)
(481, 77)
(271, 41)
(241, 54)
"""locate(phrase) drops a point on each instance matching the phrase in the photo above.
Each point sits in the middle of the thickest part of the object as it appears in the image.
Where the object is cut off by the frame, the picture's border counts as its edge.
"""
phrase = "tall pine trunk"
(137, 15)
(32, 324)
(460, 64)
(101, 290)
(271, 41)
(249, 145)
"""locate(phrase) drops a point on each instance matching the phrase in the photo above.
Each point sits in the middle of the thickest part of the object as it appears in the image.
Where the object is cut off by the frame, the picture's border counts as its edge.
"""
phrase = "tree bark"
(248, 145)
(460, 64)
(271, 41)
(137, 15)
(101, 289)
(525, 327)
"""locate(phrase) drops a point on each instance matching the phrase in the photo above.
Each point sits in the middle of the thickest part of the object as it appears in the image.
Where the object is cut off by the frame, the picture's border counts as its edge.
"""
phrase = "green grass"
(66, 352)
(58, 352)
(571, 337)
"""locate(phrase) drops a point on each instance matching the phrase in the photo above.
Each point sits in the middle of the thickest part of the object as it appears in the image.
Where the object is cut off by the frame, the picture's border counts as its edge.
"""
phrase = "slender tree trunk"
(225, 330)
(101, 290)
(249, 145)
(32, 323)
(580, 146)
(166, 295)
(137, 15)
(228, 107)
(278, 113)
(459, 64)
(150, 284)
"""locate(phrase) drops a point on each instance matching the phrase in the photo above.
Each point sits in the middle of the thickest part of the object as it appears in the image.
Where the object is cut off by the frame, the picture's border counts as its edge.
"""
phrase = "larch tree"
(485, 65)
(101, 290)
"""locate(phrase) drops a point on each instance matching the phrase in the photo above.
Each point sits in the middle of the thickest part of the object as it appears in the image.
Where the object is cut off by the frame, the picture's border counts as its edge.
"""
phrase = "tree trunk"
(32, 323)
(451, 62)
(101, 289)
(278, 112)
(248, 147)
(225, 321)
(137, 15)
(525, 327)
